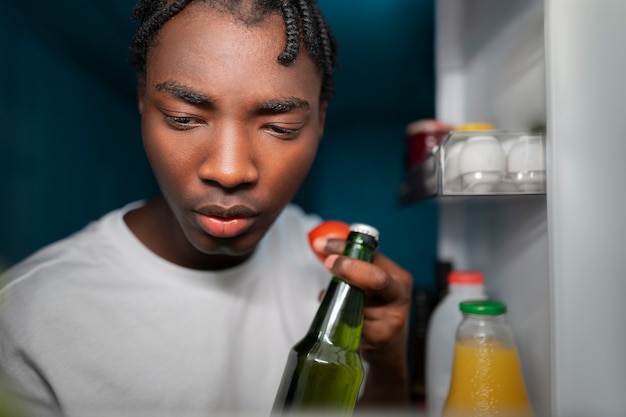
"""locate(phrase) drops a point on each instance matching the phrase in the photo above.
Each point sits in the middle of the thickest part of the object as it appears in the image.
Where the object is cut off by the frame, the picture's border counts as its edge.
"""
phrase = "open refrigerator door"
(546, 226)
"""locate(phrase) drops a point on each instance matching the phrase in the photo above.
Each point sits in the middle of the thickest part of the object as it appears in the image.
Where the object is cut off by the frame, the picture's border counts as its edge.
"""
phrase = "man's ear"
(141, 91)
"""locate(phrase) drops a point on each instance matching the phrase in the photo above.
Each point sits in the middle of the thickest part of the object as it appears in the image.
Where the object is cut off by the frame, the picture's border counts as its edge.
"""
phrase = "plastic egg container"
(493, 162)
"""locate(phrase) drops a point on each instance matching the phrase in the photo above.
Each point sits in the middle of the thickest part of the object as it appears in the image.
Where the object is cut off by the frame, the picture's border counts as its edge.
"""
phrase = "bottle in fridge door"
(462, 285)
(487, 377)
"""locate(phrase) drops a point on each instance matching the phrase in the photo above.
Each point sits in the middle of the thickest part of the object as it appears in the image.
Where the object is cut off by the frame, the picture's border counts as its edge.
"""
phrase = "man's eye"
(181, 122)
(283, 132)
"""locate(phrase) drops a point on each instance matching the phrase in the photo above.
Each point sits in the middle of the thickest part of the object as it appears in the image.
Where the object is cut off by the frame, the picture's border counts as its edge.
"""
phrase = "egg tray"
(501, 163)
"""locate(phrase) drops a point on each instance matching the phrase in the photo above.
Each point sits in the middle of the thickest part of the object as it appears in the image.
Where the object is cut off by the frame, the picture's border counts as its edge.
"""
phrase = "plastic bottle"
(462, 285)
(324, 371)
(487, 377)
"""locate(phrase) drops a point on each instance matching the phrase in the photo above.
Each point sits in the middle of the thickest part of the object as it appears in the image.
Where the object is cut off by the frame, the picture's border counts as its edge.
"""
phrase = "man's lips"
(225, 222)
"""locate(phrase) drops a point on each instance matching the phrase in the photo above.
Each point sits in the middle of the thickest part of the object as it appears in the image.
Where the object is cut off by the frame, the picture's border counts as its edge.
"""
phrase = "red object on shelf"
(424, 136)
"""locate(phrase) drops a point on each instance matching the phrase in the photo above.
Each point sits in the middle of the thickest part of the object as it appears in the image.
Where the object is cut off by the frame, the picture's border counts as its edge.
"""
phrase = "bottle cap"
(466, 277)
(483, 307)
(365, 229)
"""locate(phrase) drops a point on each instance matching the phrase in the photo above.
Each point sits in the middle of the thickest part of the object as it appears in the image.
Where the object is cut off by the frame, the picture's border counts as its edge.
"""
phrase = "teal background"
(70, 147)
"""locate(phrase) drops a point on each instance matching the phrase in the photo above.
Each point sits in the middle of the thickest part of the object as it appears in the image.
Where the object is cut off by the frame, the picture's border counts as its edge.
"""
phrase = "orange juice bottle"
(487, 375)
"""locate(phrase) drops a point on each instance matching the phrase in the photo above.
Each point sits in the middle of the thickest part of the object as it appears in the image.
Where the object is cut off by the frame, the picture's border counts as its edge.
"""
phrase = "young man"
(186, 305)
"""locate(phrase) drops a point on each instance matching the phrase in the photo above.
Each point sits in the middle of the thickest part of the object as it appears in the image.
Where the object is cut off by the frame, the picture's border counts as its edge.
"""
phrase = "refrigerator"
(557, 258)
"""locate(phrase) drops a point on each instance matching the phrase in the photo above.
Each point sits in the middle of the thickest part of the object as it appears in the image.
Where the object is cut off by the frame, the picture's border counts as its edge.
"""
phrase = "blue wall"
(70, 147)
(386, 80)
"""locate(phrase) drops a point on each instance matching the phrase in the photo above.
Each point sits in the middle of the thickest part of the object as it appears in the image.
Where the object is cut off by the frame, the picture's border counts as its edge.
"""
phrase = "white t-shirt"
(98, 325)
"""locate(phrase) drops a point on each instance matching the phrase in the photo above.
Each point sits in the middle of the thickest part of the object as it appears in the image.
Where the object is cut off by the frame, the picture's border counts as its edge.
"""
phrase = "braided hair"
(303, 20)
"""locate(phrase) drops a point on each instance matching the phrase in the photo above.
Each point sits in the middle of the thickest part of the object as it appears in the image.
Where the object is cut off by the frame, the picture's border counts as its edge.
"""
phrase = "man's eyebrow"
(184, 93)
(283, 105)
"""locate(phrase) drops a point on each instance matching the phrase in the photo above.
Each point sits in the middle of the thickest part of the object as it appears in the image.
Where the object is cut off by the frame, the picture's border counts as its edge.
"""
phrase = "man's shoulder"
(292, 226)
(287, 241)
(65, 258)
(294, 217)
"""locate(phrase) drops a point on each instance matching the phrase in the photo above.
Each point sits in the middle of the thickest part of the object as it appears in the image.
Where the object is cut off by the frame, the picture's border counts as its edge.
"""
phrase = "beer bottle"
(324, 371)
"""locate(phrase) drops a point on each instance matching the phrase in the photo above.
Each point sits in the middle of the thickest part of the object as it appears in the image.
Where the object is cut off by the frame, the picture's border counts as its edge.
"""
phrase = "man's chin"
(225, 256)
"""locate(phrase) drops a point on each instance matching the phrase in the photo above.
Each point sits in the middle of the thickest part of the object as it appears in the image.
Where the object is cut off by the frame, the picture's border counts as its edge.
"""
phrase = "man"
(186, 305)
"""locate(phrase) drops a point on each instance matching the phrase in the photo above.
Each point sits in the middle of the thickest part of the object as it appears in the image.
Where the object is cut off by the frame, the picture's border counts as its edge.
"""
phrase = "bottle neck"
(485, 329)
(497, 319)
(339, 319)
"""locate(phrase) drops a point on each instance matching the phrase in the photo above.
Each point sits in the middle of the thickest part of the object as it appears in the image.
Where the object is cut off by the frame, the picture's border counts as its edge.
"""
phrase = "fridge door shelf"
(479, 163)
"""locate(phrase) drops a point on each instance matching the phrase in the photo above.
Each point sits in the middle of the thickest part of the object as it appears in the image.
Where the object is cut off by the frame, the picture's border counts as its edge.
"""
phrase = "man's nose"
(230, 160)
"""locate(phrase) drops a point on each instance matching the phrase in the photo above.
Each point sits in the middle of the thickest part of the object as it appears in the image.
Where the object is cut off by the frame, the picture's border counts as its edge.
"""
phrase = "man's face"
(230, 133)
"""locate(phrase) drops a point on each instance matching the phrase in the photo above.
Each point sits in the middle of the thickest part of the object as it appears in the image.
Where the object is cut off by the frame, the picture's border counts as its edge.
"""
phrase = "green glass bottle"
(324, 371)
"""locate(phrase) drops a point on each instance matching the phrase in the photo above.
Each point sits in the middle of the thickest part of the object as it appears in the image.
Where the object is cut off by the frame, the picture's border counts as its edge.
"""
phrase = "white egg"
(481, 163)
(451, 164)
(527, 154)
(526, 164)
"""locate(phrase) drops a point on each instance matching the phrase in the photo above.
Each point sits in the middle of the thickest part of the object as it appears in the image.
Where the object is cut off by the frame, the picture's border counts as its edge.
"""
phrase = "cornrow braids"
(304, 23)
(292, 30)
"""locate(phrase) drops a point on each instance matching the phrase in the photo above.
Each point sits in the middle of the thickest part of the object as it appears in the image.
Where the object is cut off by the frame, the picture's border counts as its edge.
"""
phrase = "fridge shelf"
(473, 163)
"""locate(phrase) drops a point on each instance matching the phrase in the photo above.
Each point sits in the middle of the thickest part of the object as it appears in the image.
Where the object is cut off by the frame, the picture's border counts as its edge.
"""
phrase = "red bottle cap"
(466, 277)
